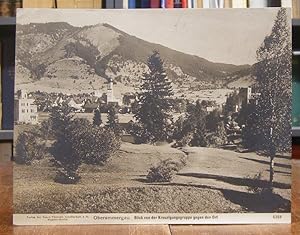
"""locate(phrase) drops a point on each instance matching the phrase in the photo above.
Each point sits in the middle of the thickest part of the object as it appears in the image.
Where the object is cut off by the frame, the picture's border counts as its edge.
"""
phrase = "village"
(34, 107)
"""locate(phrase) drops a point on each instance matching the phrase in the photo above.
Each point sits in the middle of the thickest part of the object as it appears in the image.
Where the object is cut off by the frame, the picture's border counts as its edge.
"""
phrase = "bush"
(82, 143)
(191, 129)
(213, 140)
(164, 171)
(256, 186)
(184, 141)
(139, 133)
(96, 144)
(217, 138)
(29, 147)
(66, 177)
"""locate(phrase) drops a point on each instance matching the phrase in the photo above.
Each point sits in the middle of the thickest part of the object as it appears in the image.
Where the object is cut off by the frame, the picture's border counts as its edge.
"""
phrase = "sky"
(220, 35)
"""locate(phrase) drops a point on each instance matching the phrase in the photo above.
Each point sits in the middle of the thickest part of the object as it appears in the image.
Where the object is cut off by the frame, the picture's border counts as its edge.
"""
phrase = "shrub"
(213, 140)
(95, 145)
(82, 143)
(164, 171)
(184, 141)
(191, 129)
(255, 187)
(218, 137)
(139, 133)
(66, 177)
(29, 147)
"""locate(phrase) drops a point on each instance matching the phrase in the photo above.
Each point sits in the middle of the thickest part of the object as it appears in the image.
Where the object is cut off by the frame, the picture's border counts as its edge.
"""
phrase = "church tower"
(110, 91)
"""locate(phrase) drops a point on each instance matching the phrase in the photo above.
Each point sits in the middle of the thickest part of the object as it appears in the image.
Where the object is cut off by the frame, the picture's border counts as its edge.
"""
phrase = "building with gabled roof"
(25, 110)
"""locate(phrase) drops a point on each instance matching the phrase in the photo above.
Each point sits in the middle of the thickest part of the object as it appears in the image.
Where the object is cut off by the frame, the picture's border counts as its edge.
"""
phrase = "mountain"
(61, 57)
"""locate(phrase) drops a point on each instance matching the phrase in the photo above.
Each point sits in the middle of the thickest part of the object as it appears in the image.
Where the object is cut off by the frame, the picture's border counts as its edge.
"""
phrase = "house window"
(32, 110)
(23, 110)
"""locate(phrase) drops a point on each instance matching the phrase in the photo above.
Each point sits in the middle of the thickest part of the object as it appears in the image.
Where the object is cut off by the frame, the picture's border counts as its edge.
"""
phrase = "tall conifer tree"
(97, 120)
(154, 102)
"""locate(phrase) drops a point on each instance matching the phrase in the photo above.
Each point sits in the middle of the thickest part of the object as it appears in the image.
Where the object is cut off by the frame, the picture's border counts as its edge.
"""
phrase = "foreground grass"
(213, 181)
(154, 199)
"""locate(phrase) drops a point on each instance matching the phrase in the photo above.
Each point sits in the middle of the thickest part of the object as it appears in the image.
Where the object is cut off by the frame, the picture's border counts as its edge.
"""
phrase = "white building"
(110, 98)
(25, 109)
(58, 101)
(76, 105)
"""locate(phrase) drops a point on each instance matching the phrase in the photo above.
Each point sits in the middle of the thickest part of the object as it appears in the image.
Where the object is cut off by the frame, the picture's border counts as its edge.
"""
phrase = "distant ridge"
(103, 51)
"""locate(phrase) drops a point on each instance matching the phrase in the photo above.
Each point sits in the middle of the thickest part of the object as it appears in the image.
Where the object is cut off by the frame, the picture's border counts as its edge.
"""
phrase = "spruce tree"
(212, 120)
(97, 120)
(221, 133)
(62, 148)
(152, 113)
(113, 120)
(197, 124)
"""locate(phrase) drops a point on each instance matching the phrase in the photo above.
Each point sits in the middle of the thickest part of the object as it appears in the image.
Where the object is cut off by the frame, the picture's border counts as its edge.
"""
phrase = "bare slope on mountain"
(55, 51)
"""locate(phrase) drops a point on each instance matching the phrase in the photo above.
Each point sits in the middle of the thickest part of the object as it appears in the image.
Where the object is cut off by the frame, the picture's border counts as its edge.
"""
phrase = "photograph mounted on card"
(152, 116)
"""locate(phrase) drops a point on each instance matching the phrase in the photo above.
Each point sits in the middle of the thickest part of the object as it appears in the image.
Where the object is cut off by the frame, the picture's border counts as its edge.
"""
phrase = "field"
(212, 181)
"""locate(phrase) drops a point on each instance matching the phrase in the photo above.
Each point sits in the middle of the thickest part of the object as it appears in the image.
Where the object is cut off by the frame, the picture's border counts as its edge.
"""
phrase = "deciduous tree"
(273, 72)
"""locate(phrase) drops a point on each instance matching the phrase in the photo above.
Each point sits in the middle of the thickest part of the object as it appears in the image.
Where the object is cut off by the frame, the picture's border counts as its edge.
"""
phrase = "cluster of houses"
(89, 102)
(27, 106)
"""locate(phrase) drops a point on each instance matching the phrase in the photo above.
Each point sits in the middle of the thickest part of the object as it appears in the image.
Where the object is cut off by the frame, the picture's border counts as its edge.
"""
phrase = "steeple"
(110, 91)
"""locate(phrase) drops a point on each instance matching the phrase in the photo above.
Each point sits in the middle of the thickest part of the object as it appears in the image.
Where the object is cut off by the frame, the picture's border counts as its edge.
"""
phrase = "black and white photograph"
(152, 111)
